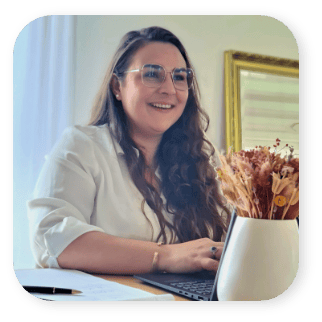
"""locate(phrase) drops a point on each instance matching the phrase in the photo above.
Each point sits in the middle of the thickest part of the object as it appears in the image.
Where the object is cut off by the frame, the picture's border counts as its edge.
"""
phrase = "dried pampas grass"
(261, 184)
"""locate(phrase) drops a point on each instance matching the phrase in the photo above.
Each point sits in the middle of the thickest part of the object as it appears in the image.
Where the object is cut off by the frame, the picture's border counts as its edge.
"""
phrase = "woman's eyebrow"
(155, 65)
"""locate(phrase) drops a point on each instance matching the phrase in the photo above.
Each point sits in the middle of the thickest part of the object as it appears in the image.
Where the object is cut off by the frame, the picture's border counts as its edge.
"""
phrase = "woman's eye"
(151, 74)
(179, 77)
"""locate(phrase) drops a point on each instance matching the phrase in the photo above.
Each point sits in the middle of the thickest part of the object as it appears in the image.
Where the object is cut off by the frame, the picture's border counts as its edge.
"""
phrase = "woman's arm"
(97, 252)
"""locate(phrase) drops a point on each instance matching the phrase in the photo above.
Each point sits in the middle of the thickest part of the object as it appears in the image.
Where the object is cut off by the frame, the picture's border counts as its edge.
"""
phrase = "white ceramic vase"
(261, 260)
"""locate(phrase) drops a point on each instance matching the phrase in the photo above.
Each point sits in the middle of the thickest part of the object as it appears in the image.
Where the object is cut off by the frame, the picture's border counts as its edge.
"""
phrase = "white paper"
(92, 288)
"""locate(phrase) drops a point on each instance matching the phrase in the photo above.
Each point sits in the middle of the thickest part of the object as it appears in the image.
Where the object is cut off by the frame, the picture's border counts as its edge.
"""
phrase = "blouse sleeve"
(64, 197)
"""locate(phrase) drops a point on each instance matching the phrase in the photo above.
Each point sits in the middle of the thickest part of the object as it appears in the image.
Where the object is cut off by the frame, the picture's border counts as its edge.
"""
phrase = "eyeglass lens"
(154, 75)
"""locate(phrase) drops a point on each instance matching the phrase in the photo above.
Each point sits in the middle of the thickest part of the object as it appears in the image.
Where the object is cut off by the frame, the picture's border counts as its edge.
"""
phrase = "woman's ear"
(115, 85)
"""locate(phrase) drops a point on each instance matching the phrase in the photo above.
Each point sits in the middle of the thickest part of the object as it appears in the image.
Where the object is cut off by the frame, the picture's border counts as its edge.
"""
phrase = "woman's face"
(138, 100)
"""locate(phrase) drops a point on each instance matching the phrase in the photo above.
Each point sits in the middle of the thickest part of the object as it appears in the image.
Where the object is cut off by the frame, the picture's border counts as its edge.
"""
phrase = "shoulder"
(81, 133)
(85, 140)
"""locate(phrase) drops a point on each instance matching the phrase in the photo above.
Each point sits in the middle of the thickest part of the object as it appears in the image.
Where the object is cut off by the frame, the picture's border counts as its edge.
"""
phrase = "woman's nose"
(168, 85)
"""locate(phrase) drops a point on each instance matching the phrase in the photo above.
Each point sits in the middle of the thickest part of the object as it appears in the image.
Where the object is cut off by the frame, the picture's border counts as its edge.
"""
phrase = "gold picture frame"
(235, 61)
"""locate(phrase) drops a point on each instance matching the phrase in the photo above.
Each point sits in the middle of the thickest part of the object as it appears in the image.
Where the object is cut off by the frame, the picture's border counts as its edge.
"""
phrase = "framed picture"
(261, 100)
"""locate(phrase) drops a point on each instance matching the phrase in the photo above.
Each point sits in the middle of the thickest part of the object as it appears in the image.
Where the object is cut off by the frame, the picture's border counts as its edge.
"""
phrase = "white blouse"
(85, 186)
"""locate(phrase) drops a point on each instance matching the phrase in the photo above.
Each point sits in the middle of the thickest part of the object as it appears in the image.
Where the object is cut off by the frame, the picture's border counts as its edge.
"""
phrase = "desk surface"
(133, 282)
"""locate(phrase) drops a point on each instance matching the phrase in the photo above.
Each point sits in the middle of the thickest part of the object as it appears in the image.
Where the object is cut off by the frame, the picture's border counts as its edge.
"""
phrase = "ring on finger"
(213, 250)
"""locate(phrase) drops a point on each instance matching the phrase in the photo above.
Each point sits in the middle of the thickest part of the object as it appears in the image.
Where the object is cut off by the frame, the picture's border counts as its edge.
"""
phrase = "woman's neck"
(148, 146)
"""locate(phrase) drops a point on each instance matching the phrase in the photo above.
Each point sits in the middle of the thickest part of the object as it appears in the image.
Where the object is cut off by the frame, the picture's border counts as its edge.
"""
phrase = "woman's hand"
(189, 257)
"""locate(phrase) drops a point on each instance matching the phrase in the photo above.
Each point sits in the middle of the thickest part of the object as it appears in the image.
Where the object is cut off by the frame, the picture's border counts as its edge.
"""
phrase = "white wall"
(205, 38)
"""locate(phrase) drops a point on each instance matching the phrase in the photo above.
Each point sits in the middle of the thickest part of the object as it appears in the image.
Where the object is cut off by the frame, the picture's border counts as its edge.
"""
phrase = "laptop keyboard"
(200, 287)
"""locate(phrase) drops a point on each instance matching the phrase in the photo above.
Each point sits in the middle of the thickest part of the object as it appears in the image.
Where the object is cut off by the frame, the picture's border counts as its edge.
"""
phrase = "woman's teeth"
(162, 105)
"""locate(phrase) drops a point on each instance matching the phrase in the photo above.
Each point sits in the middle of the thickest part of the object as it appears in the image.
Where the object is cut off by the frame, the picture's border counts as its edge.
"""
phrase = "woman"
(134, 191)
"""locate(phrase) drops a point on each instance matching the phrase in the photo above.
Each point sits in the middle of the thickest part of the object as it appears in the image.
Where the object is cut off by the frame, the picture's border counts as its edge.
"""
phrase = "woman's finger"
(209, 264)
(215, 252)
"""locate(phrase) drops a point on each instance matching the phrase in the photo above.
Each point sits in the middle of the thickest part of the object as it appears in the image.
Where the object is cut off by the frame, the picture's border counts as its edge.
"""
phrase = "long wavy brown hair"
(188, 180)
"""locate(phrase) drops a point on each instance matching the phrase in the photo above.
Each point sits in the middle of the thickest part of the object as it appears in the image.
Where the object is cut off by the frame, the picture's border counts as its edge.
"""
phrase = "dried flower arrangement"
(261, 184)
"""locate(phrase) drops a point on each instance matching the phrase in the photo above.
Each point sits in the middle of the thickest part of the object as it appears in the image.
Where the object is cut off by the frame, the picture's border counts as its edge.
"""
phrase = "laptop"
(201, 286)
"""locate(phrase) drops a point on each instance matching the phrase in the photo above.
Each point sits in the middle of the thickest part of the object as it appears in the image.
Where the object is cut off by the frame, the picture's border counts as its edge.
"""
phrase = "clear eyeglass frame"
(159, 84)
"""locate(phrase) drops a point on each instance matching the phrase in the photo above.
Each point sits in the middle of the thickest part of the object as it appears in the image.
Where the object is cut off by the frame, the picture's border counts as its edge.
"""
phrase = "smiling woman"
(134, 191)
(151, 106)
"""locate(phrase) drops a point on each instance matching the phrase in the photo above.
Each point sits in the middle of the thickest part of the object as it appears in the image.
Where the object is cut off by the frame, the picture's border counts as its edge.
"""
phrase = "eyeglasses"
(154, 76)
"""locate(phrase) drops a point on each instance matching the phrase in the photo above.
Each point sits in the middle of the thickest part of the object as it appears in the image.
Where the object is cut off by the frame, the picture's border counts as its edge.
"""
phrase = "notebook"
(201, 286)
(92, 288)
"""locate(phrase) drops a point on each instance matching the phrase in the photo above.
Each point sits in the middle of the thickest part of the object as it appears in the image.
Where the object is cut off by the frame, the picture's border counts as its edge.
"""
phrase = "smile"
(163, 106)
